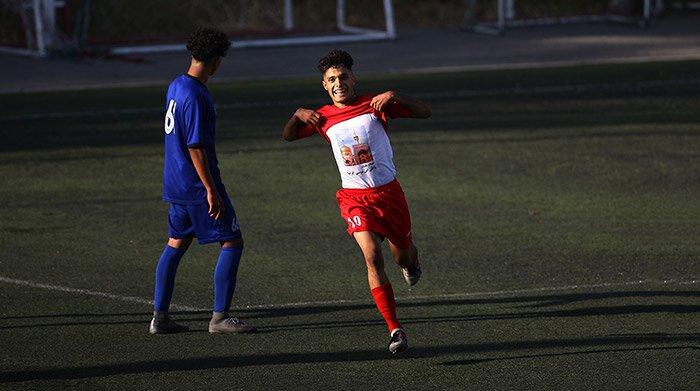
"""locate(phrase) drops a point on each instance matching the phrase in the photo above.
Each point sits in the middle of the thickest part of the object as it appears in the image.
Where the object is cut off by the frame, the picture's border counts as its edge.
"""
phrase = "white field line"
(88, 292)
(484, 294)
(428, 96)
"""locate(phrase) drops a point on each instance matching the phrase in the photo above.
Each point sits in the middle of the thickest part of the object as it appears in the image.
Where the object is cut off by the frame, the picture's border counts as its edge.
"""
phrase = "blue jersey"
(190, 121)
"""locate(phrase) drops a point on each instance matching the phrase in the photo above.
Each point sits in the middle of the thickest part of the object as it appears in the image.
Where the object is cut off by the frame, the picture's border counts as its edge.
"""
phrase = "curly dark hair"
(206, 43)
(334, 59)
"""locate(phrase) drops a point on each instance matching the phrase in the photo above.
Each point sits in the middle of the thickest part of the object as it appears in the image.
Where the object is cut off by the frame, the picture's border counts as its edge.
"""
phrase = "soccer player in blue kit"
(199, 205)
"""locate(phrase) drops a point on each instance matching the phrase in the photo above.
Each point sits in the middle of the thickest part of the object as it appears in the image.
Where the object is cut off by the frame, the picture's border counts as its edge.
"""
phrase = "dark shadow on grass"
(581, 345)
(559, 299)
(574, 313)
(530, 301)
(43, 325)
(539, 308)
(93, 315)
(564, 354)
(376, 321)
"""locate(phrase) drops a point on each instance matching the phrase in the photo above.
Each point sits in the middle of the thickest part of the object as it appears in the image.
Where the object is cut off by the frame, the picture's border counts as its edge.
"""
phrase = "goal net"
(38, 27)
(495, 16)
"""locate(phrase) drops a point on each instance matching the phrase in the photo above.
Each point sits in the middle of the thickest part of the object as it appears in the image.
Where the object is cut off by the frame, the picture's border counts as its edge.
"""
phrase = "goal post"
(507, 16)
(347, 33)
(38, 25)
(35, 28)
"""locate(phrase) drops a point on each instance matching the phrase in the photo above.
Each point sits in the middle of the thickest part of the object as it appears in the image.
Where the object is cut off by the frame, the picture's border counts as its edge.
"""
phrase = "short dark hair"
(335, 59)
(207, 43)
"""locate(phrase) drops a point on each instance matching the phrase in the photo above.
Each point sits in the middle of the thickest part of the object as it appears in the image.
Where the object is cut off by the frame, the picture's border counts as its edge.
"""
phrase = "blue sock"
(165, 278)
(225, 277)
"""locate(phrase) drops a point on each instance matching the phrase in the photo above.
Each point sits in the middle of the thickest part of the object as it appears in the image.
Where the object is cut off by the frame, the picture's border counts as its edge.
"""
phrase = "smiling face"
(339, 82)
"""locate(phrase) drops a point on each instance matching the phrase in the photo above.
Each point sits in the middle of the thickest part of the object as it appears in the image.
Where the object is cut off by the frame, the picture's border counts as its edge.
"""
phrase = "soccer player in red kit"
(371, 199)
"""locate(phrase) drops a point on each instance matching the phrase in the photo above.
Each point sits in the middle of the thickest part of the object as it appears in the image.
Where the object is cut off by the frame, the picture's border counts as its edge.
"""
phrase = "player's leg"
(224, 287)
(166, 270)
(380, 287)
(407, 258)
(227, 232)
(398, 232)
(370, 244)
(225, 274)
(404, 257)
(362, 221)
(164, 286)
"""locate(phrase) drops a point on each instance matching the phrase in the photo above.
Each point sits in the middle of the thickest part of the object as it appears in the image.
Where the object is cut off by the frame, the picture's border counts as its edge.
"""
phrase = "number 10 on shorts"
(354, 221)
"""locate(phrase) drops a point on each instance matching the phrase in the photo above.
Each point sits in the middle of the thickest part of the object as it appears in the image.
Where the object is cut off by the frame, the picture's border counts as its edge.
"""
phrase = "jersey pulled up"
(358, 136)
(190, 121)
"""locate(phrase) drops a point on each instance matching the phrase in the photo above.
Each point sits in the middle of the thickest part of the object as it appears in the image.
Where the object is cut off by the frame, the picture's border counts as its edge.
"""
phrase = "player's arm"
(417, 108)
(301, 118)
(201, 164)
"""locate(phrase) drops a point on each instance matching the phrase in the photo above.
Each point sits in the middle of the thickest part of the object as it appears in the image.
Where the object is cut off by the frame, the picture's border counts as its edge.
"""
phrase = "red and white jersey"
(358, 136)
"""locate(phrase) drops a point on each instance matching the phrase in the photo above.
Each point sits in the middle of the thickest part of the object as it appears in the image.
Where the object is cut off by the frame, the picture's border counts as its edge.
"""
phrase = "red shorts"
(382, 210)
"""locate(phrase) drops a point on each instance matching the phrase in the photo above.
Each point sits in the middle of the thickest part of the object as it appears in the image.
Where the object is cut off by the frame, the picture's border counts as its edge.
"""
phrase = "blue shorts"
(188, 221)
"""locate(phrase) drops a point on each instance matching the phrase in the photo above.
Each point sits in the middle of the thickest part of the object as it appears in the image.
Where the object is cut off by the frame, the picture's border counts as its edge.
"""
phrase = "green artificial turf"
(556, 212)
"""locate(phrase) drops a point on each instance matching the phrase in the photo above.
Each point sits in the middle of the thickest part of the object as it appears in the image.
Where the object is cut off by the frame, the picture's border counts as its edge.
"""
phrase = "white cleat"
(230, 324)
(165, 326)
(412, 274)
(398, 342)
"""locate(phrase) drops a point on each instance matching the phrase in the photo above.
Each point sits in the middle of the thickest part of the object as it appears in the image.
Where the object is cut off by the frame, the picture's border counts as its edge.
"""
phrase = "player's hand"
(216, 204)
(380, 101)
(308, 116)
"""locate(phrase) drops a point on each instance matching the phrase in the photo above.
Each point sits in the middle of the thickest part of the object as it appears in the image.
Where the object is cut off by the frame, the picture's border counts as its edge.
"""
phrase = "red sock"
(384, 299)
